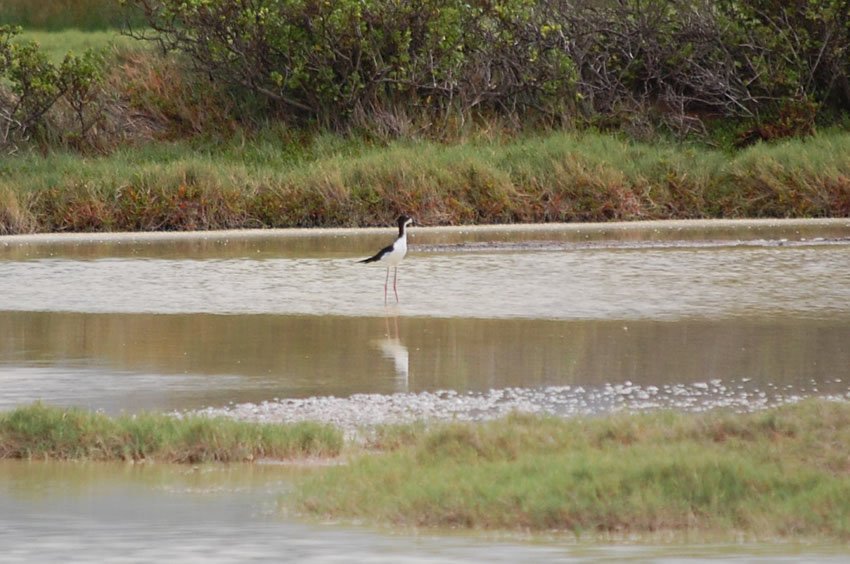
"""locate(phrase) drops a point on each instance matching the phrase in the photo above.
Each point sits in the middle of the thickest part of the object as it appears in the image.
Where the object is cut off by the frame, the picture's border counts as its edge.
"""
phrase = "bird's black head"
(404, 221)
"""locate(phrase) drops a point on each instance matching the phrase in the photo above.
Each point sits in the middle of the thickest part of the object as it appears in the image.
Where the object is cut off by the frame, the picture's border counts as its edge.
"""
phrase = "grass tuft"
(59, 15)
(782, 472)
(41, 432)
(57, 44)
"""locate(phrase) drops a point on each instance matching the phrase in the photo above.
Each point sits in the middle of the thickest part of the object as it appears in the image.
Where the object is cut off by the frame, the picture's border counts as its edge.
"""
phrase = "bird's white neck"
(401, 242)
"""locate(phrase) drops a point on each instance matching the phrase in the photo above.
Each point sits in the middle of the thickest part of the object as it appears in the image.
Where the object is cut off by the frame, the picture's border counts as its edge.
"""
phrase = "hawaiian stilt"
(392, 255)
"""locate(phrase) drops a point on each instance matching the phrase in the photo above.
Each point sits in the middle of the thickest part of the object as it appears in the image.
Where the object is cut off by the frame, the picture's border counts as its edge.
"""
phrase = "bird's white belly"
(394, 257)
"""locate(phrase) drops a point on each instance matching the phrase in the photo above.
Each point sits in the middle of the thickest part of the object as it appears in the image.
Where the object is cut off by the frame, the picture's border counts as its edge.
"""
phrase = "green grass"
(58, 15)
(281, 179)
(56, 44)
(782, 473)
(41, 432)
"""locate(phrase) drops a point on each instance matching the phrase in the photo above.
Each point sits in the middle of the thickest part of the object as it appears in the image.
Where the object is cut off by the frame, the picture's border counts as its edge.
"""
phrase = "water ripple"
(635, 283)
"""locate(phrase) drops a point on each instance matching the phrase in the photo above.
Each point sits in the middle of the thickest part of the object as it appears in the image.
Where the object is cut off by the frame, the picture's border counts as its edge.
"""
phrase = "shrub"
(36, 86)
(325, 61)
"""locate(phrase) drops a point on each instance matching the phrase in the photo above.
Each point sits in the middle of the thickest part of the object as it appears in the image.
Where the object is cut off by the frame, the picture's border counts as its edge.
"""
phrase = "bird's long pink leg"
(385, 286)
(395, 279)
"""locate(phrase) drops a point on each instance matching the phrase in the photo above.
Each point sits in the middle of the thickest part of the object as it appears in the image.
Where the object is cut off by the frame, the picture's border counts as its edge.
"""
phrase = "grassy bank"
(783, 472)
(40, 432)
(278, 179)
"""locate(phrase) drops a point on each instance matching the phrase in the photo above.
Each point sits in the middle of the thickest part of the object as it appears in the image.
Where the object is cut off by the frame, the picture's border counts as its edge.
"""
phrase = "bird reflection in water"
(392, 348)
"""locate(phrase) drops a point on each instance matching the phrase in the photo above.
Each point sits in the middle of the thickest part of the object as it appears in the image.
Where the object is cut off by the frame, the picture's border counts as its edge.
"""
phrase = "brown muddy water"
(282, 326)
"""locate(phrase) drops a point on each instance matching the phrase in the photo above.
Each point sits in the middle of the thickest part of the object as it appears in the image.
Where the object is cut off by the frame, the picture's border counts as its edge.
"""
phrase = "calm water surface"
(150, 322)
(129, 323)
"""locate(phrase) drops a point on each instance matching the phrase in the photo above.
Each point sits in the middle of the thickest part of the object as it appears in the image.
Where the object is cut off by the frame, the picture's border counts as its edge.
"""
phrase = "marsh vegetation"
(780, 472)
(41, 432)
(558, 177)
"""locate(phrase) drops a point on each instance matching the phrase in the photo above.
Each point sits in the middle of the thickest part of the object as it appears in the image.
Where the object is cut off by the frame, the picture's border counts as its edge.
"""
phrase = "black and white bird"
(392, 255)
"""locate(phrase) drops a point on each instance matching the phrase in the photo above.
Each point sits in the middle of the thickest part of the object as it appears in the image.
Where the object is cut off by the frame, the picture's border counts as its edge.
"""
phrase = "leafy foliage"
(560, 60)
(36, 86)
(761, 69)
(327, 61)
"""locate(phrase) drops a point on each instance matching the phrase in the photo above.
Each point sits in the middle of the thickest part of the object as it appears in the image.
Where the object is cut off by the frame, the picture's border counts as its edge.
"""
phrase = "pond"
(286, 325)
(554, 318)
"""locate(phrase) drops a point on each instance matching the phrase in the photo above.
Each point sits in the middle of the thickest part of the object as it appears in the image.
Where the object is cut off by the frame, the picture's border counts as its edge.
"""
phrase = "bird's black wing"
(377, 257)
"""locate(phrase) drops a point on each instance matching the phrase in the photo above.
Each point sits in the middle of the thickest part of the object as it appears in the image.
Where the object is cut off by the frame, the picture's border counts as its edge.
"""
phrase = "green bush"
(385, 69)
(36, 86)
(327, 61)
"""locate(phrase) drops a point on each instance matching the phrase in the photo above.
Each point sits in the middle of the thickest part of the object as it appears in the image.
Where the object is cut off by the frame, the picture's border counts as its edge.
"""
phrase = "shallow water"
(127, 362)
(543, 282)
(276, 326)
(132, 322)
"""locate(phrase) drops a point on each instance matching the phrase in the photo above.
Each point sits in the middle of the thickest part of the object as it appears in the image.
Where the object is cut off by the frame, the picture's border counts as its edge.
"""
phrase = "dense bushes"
(334, 61)
(632, 62)
(399, 69)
